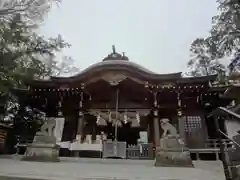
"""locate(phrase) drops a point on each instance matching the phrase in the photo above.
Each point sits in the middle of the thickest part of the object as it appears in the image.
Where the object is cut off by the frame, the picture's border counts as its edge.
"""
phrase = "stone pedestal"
(172, 153)
(43, 148)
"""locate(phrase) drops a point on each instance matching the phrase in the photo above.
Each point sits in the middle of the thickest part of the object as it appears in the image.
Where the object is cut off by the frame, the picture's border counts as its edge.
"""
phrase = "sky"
(156, 34)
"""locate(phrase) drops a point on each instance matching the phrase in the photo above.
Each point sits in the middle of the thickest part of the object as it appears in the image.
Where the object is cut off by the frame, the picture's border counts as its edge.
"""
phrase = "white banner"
(58, 131)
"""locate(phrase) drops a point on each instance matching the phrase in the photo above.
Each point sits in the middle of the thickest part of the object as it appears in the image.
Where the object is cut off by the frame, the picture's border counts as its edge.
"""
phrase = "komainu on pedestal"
(44, 147)
(172, 151)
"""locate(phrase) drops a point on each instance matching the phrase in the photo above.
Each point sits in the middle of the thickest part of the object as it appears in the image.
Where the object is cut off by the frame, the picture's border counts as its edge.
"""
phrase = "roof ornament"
(113, 48)
(115, 56)
(124, 57)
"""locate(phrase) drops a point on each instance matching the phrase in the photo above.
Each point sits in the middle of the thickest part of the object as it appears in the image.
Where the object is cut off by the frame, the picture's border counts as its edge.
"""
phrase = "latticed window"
(192, 131)
(192, 123)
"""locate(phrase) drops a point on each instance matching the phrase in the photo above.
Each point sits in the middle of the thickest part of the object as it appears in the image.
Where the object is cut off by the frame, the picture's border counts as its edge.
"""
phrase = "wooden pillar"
(156, 128)
(80, 123)
(149, 132)
(80, 126)
(94, 133)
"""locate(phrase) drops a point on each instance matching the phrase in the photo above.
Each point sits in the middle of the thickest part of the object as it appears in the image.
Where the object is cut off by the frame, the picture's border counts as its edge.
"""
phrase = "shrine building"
(117, 99)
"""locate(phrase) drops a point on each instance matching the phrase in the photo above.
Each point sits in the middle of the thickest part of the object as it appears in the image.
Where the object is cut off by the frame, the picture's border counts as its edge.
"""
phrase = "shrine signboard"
(114, 149)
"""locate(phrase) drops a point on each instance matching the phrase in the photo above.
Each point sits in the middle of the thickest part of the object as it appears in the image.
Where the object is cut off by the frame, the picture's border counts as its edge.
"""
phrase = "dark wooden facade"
(119, 85)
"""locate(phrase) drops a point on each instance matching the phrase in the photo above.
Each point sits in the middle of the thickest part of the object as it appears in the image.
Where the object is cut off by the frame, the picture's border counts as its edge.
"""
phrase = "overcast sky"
(156, 34)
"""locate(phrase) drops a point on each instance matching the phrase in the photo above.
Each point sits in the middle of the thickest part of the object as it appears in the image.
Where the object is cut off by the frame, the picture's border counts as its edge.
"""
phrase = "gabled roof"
(117, 63)
(120, 65)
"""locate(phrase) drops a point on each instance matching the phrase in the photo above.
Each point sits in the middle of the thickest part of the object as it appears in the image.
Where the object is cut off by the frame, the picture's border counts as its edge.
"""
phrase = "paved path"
(99, 169)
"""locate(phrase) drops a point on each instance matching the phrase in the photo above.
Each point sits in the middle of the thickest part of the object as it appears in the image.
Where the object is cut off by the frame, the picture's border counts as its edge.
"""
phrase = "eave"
(202, 79)
(233, 91)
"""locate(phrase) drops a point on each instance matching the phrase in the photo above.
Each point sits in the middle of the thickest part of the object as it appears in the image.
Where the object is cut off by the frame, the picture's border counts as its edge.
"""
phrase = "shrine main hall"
(119, 100)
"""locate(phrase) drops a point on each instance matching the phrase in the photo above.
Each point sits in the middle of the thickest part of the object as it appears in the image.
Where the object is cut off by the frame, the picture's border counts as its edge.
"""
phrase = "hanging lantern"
(59, 110)
(155, 100)
(60, 113)
(179, 113)
(179, 100)
(146, 85)
(81, 100)
(80, 104)
(100, 120)
(115, 121)
(125, 118)
(80, 113)
(119, 123)
(109, 116)
(138, 117)
(136, 121)
(59, 104)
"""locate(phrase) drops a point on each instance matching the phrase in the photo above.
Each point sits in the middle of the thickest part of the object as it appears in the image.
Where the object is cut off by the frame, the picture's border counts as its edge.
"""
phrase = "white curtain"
(58, 131)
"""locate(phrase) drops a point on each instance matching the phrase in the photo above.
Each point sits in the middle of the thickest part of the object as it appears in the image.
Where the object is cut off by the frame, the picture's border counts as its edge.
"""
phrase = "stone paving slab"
(98, 169)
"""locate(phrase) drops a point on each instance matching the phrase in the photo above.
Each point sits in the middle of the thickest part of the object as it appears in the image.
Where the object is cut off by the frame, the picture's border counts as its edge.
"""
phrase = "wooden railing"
(215, 143)
(212, 146)
(146, 151)
(141, 151)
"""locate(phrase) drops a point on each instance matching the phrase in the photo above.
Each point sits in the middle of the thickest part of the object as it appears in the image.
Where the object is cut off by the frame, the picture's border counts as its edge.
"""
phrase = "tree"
(27, 121)
(226, 29)
(226, 26)
(234, 65)
(32, 11)
(23, 54)
(224, 40)
(26, 56)
(64, 67)
(204, 58)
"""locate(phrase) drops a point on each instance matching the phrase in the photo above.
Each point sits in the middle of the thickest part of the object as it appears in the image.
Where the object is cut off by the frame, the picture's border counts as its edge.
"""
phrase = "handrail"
(227, 111)
(231, 139)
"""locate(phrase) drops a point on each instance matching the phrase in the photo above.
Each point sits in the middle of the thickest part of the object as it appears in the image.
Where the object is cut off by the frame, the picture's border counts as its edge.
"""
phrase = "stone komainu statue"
(168, 129)
(47, 128)
(172, 151)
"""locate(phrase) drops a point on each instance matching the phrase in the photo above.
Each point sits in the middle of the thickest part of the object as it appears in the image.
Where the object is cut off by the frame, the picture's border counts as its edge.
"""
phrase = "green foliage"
(223, 40)
(226, 26)
(204, 58)
(25, 55)
(33, 11)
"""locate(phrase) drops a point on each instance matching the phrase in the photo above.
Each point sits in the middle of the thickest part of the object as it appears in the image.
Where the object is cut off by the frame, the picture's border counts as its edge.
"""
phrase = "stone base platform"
(173, 153)
(107, 169)
(43, 149)
(173, 158)
(42, 153)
